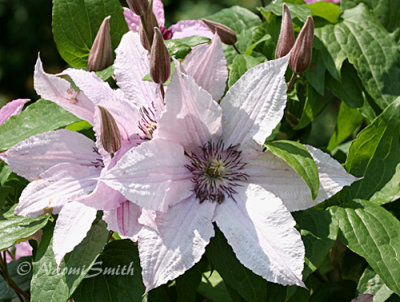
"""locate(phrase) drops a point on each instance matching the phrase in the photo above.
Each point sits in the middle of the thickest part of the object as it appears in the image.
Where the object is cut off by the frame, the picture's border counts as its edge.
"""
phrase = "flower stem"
(237, 50)
(162, 92)
(292, 79)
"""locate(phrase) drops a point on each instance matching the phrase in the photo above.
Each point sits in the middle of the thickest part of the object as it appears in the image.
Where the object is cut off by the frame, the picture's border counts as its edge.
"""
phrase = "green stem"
(292, 79)
(237, 50)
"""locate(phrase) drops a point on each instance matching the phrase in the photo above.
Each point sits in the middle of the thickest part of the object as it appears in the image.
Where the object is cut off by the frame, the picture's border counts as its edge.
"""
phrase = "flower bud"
(286, 36)
(300, 57)
(139, 7)
(227, 35)
(147, 24)
(101, 54)
(160, 64)
(110, 136)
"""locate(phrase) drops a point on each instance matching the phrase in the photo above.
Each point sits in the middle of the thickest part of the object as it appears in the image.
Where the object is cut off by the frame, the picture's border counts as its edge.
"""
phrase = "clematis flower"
(65, 166)
(182, 29)
(11, 109)
(22, 249)
(205, 164)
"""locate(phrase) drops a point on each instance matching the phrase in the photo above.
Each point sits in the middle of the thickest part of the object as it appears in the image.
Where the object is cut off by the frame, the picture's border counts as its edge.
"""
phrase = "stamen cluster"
(216, 171)
(148, 122)
(98, 163)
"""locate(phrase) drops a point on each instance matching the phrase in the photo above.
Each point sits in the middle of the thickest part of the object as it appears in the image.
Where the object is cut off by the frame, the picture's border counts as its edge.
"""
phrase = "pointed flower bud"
(139, 7)
(110, 136)
(300, 57)
(160, 64)
(101, 54)
(286, 36)
(147, 24)
(227, 35)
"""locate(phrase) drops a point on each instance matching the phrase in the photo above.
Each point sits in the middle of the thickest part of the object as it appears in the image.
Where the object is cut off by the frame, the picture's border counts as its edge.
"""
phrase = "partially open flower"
(160, 64)
(110, 135)
(300, 58)
(227, 35)
(101, 55)
(286, 36)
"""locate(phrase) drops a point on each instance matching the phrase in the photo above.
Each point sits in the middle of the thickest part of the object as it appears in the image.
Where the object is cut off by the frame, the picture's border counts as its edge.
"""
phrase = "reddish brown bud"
(101, 54)
(147, 24)
(110, 136)
(286, 36)
(227, 35)
(160, 64)
(300, 57)
(139, 7)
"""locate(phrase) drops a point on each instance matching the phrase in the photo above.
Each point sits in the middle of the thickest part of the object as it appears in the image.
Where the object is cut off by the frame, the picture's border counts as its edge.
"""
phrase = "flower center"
(148, 123)
(216, 171)
(167, 33)
(98, 163)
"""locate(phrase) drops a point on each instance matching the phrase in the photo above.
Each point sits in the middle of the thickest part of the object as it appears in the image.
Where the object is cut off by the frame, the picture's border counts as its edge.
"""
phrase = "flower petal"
(153, 175)
(96, 198)
(274, 175)
(55, 187)
(132, 19)
(188, 28)
(12, 108)
(131, 66)
(207, 65)
(60, 91)
(73, 224)
(158, 10)
(262, 234)
(124, 220)
(185, 230)
(36, 154)
(192, 117)
(254, 105)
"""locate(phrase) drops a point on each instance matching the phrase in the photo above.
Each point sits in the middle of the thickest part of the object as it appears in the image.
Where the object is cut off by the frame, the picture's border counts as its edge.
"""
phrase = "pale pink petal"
(22, 249)
(55, 187)
(158, 10)
(207, 65)
(273, 174)
(152, 175)
(185, 230)
(72, 226)
(36, 154)
(132, 19)
(188, 28)
(262, 234)
(11, 109)
(192, 117)
(124, 220)
(131, 66)
(364, 298)
(53, 88)
(254, 105)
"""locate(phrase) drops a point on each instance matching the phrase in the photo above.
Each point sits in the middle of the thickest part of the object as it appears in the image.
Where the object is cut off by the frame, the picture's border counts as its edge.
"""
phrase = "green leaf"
(177, 49)
(387, 11)
(50, 285)
(105, 74)
(213, 287)
(249, 285)
(240, 65)
(299, 11)
(318, 231)
(343, 290)
(75, 25)
(328, 11)
(21, 273)
(105, 282)
(371, 283)
(375, 156)
(297, 157)
(373, 233)
(14, 229)
(41, 116)
(188, 283)
(348, 121)
(315, 75)
(367, 45)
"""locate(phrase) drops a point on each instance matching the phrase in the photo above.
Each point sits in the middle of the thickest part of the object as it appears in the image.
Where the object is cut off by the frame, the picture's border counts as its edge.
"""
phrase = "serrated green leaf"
(373, 233)
(371, 283)
(367, 45)
(106, 284)
(318, 231)
(326, 10)
(375, 156)
(14, 229)
(75, 25)
(240, 65)
(249, 285)
(348, 121)
(39, 117)
(297, 157)
(50, 285)
(20, 272)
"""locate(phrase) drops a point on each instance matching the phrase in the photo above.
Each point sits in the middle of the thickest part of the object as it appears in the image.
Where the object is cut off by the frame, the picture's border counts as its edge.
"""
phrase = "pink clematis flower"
(65, 166)
(313, 1)
(182, 29)
(205, 164)
(22, 249)
(11, 109)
